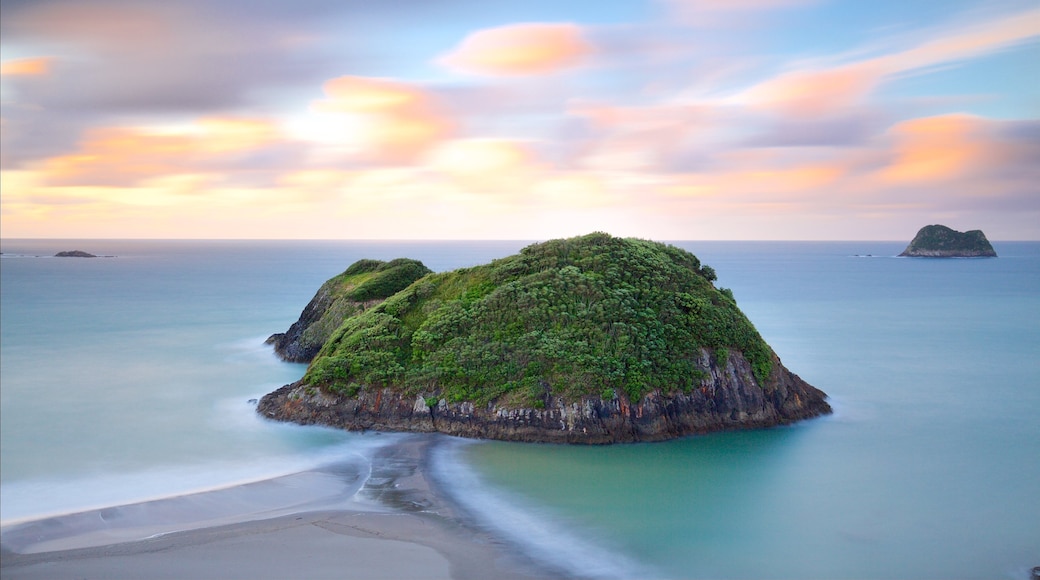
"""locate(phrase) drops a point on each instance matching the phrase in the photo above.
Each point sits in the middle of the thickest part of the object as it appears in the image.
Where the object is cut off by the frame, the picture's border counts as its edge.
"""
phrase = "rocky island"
(938, 241)
(74, 254)
(592, 340)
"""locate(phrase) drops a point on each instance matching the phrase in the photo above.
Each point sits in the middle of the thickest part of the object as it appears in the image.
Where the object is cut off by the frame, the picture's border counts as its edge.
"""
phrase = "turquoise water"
(126, 378)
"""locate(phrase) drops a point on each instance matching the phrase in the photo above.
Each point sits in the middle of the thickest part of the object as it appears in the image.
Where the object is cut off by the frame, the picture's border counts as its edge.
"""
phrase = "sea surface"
(129, 378)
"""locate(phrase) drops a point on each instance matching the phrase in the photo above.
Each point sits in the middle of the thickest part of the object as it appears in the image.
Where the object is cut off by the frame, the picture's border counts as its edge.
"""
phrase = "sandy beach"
(390, 523)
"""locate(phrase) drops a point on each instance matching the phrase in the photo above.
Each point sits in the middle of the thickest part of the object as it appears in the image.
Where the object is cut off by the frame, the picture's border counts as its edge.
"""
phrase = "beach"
(396, 524)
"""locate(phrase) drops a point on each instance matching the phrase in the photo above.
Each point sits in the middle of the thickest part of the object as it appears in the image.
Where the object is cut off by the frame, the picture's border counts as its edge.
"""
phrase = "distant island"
(74, 254)
(592, 339)
(938, 241)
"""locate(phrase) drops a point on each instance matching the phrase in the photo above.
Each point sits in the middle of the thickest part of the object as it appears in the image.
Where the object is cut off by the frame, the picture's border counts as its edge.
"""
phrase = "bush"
(588, 316)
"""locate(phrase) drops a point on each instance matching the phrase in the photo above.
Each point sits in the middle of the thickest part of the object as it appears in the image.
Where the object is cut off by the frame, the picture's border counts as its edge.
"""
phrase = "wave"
(540, 533)
(40, 498)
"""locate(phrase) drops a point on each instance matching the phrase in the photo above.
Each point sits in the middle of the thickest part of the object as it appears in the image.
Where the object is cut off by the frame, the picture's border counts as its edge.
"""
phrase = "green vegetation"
(363, 282)
(594, 315)
(941, 240)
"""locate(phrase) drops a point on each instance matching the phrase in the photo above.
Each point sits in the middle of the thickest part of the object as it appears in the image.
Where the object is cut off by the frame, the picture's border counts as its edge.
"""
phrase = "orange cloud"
(124, 156)
(809, 93)
(397, 121)
(224, 135)
(519, 49)
(937, 148)
(25, 67)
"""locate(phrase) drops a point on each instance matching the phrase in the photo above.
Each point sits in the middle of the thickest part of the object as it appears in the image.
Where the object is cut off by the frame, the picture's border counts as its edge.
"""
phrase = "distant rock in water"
(942, 242)
(74, 254)
(363, 285)
(588, 340)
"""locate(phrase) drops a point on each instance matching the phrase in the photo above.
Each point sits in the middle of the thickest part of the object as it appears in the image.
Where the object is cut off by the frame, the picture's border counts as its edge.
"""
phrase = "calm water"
(127, 378)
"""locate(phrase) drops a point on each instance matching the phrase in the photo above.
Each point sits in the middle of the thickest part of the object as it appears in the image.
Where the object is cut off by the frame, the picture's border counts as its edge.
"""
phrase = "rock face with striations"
(363, 285)
(939, 241)
(586, 340)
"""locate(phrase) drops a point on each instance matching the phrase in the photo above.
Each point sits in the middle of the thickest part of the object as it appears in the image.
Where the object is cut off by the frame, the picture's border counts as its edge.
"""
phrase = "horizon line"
(114, 239)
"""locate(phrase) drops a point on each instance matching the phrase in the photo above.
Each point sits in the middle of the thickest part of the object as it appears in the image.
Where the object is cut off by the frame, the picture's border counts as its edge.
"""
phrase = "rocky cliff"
(938, 241)
(586, 340)
(728, 398)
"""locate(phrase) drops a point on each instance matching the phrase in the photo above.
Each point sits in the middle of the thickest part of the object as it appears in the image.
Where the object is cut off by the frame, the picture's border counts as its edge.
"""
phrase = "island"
(593, 340)
(74, 254)
(938, 241)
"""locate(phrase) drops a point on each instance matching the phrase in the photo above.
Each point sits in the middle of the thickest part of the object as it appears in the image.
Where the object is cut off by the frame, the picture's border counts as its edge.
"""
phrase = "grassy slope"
(582, 316)
(363, 282)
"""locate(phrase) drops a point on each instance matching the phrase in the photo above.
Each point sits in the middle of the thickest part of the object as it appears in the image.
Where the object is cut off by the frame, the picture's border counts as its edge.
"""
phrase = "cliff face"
(729, 397)
(938, 241)
(320, 317)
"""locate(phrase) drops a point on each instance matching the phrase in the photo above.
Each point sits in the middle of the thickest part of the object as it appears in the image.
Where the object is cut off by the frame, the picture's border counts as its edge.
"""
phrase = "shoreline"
(393, 522)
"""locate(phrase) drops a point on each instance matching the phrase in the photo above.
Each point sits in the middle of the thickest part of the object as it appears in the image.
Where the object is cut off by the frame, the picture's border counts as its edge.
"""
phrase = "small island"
(587, 340)
(938, 241)
(74, 254)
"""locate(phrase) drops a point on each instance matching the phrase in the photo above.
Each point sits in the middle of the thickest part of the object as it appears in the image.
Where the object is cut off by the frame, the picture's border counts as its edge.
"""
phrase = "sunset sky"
(459, 119)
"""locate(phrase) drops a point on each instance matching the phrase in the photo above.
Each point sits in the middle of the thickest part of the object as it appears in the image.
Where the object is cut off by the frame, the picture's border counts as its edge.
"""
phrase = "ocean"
(129, 378)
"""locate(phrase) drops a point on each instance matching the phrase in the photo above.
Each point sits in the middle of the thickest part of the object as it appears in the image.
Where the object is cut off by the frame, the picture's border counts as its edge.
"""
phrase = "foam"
(539, 532)
(35, 499)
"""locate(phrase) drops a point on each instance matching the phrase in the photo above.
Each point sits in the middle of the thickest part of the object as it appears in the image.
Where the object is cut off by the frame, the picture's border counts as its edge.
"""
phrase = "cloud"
(853, 127)
(966, 42)
(25, 67)
(149, 56)
(643, 138)
(520, 49)
(725, 13)
(813, 91)
(129, 156)
(486, 165)
(809, 93)
(959, 147)
(736, 5)
(935, 149)
(394, 122)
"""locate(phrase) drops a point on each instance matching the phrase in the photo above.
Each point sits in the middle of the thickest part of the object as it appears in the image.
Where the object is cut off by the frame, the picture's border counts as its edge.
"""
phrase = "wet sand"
(331, 523)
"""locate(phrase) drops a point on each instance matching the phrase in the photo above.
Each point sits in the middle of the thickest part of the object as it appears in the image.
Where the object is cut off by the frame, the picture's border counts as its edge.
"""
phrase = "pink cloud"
(127, 156)
(520, 49)
(810, 93)
(824, 90)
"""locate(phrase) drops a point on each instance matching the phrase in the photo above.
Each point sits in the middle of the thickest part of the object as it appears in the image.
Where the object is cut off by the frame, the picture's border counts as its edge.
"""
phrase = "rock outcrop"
(363, 285)
(938, 241)
(74, 254)
(728, 398)
(585, 340)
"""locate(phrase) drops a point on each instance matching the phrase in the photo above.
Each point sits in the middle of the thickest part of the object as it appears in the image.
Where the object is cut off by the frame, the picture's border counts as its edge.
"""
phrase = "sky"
(532, 119)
